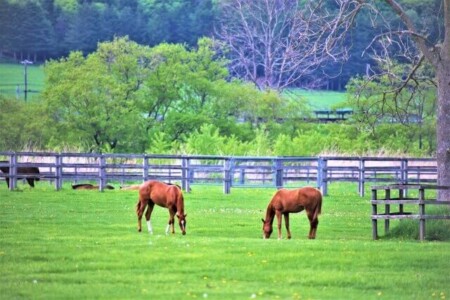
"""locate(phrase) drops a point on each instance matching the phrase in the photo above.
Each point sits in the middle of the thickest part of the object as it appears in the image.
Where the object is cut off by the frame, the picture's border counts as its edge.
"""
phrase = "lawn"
(84, 244)
(318, 100)
(12, 75)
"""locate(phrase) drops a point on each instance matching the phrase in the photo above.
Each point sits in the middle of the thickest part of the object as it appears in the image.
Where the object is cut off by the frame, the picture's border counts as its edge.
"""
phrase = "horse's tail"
(318, 208)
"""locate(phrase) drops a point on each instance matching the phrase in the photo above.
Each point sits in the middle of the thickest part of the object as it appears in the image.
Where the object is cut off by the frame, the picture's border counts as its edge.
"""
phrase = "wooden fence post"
(145, 169)
(362, 174)
(185, 162)
(13, 172)
(278, 173)
(102, 173)
(227, 176)
(322, 181)
(422, 214)
(58, 172)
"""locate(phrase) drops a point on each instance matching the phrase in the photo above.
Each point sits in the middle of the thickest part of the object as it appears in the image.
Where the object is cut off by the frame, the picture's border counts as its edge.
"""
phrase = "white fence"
(228, 171)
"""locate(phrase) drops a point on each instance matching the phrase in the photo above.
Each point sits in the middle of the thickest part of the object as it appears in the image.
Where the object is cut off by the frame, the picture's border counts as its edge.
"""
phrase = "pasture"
(317, 99)
(12, 75)
(72, 244)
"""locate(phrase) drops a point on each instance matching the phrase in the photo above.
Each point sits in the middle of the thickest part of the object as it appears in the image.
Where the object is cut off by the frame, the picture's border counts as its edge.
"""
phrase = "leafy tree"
(92, 99)
(180, 21)
(83, 33)
(18, 130)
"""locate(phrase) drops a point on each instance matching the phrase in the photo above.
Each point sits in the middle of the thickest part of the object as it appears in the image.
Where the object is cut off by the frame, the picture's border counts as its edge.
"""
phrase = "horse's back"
(159, 192)
(297, 199)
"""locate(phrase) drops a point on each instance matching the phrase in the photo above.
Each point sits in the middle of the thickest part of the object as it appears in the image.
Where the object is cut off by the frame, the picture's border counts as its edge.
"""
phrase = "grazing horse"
(165, 195)
(22, 171)
(88, 186)
(293, 201)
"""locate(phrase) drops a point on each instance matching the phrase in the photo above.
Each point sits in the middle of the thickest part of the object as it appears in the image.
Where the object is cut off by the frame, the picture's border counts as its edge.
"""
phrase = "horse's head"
(182, 222)
(267, 229)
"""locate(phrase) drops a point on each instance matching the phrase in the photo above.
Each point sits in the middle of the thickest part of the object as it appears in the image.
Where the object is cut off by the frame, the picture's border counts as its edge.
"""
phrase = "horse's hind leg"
(286, 223)
(148, 214)
(140, 207)
(314, 222)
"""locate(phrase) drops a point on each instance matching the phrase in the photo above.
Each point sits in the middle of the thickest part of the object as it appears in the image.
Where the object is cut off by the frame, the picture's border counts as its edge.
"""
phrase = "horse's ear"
(185, 215)
(263, 220)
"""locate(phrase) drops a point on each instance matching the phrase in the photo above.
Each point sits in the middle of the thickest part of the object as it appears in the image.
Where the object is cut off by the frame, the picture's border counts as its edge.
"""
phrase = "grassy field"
(84, 245)
(12, 75)
(317, 99)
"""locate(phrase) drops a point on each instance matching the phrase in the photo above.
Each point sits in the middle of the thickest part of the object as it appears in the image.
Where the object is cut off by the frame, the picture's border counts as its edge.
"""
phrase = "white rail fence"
(228, 171)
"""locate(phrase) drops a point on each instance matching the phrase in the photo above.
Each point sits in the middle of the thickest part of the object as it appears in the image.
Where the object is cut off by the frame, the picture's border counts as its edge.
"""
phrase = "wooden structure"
(401, 200)
(329, 115)
(228, 171)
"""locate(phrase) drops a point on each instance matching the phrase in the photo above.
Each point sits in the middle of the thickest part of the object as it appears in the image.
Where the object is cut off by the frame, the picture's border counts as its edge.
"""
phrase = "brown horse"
(293, 201)
(22, 171)
(165, 195)
(88, 186)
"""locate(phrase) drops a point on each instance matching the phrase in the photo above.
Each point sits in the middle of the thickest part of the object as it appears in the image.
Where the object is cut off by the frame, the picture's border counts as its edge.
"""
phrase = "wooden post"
(278, 173)
(422, 214)
(322, 181)
(400, 197)
(226, 176)
(374, 213)
(13, 172)
(58, 172)
(387, 211)
(102, 173)
(361, 177)
(145, 169)
(185, 175)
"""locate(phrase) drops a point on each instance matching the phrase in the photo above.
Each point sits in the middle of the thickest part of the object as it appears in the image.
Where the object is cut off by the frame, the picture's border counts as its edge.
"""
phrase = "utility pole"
(25, 64)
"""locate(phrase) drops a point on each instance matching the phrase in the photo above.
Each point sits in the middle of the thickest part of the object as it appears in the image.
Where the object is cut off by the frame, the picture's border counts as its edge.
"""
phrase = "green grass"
(84, 244)
(317, 99)
(12, 75)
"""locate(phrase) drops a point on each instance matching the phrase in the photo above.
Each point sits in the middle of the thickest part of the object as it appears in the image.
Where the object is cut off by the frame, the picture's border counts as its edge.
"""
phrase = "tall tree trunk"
(443, 108)
(443, 123)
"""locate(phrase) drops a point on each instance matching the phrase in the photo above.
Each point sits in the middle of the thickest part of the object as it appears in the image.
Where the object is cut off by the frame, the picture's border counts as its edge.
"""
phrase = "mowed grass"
(13, 75)
(84, 245)
(317, 99)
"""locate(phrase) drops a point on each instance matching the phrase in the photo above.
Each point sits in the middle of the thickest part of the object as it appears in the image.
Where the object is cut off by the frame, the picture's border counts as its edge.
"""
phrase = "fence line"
(228, 171)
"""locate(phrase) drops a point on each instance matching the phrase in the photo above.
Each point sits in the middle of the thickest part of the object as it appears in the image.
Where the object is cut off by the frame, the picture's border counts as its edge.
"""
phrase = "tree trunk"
(443, 126)
(443, 109)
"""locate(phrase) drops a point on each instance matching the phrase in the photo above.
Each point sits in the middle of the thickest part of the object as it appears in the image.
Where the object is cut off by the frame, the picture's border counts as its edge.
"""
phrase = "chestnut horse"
(165, 195)
(22, 171)
(293, 201)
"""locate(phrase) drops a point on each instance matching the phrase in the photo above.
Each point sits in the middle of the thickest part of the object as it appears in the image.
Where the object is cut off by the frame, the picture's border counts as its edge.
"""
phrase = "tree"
(93, 100)
(275, 44)
(408, 39)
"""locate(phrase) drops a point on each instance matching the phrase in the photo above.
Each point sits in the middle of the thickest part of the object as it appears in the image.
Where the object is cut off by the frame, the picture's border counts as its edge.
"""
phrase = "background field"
(84, 244)
(12, 75)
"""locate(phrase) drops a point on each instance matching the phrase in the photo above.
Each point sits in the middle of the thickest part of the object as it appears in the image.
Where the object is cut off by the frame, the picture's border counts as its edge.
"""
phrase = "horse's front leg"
(278, 214)
(286, 223)
(171, 224)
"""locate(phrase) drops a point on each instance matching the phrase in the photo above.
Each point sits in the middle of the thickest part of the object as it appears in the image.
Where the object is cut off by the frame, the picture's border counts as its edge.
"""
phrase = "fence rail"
(230, 172)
